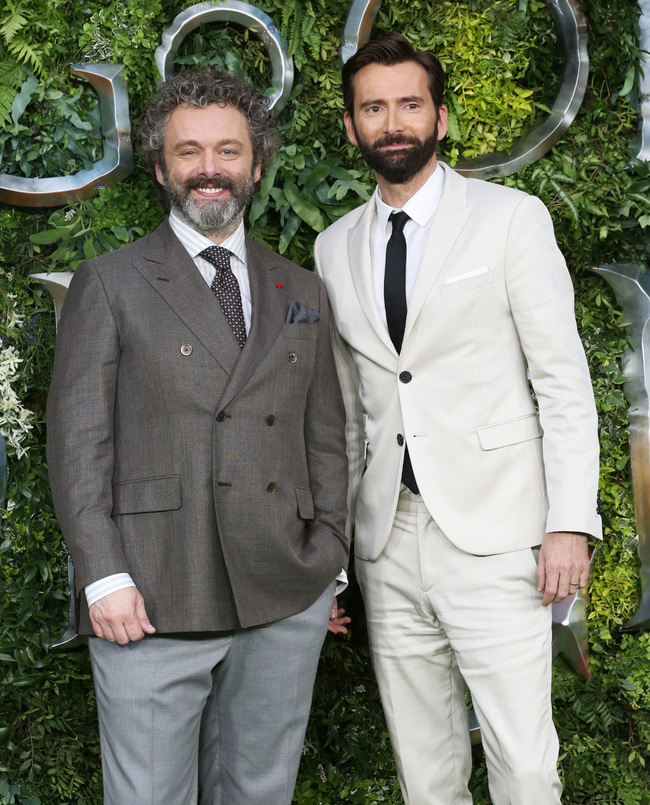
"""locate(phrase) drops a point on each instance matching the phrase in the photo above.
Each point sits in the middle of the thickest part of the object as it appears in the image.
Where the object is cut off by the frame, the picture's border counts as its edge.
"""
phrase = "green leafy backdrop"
(502, 63)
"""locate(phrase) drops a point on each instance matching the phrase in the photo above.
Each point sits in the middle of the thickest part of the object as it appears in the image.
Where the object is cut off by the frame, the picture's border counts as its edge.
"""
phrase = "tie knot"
(217, 255)
(398, 220)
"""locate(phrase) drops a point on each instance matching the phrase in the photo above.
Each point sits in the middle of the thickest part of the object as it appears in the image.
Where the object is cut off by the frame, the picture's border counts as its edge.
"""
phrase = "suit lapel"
(269, 311)
(448, 222)
(170, 270)
(360, 267)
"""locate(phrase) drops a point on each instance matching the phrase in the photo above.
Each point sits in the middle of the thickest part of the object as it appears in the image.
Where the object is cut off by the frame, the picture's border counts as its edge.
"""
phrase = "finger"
(143, 618)
(133, 630)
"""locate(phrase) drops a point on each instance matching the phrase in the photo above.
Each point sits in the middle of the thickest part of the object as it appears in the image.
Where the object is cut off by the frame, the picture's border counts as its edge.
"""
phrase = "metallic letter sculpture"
(57, 284)
(115, 165)
(643, 151)
(572, 32)
(631, 285)
(243, 14)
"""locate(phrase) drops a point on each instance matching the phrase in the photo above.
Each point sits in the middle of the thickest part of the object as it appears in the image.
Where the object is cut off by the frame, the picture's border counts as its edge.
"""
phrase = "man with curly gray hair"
(197, 460)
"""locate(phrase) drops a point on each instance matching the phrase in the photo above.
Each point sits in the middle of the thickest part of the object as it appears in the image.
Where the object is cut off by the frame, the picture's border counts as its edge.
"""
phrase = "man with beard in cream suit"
(197, 460)
(472, 511)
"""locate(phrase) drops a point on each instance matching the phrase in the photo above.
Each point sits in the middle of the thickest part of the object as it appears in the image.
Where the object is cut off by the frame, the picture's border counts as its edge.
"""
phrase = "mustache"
(396, 139)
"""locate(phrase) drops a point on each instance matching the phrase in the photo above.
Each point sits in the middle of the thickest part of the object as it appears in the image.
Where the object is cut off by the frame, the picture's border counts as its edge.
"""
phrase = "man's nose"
(208, 164)
(394, 121)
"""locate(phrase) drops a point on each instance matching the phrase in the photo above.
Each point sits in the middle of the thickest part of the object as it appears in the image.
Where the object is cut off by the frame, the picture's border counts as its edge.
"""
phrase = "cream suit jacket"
(492, 300)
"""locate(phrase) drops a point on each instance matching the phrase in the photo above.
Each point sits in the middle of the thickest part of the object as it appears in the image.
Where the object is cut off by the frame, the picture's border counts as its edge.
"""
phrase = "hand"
(563, 565)
(338, 619)
(120, 617)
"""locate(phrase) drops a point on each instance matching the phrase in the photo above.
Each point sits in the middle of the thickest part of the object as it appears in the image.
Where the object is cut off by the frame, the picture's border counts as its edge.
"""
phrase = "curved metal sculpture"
(631, 285)
(57, 284)
(643, 150)
(116, 163)
(243, 14)
(527, 149)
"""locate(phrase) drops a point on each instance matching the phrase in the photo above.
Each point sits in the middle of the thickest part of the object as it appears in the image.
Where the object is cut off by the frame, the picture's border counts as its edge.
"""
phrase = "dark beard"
(208, 216)
(401, 166)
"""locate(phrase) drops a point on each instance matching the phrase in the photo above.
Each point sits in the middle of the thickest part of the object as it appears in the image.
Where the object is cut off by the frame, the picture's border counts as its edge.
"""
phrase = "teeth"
(210, 189)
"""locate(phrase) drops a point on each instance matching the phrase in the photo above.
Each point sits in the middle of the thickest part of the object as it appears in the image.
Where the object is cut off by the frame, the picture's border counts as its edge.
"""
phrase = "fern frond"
(7, 95)
(11, 74)
(25, 53)
(13, 22)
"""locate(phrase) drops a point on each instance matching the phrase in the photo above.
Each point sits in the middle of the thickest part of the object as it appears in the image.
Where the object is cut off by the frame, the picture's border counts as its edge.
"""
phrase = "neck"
(396, 195)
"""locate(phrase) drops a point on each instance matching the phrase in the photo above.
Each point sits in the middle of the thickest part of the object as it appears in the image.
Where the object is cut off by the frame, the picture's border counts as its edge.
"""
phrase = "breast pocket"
(468, 283)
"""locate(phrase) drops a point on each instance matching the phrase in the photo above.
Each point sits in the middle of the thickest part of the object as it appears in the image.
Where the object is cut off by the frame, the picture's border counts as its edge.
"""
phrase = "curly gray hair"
(202, 88)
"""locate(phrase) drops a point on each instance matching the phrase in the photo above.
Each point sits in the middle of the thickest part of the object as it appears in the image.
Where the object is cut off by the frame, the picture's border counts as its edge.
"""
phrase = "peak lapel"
(270, 304)
(170, 270)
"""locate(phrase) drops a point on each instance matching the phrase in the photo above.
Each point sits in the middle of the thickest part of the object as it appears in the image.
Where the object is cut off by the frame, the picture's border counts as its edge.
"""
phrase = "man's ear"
(159, 175)
(349, 127)
(257, 171)
(443, 123)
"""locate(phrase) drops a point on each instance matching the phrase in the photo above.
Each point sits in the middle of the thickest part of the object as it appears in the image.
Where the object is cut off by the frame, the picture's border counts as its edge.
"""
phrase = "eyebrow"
(220, 144)
(382, 101)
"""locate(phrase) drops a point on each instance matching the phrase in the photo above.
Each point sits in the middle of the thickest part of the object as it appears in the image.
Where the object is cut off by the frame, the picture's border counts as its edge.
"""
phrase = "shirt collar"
(420, 207)
(194, 241)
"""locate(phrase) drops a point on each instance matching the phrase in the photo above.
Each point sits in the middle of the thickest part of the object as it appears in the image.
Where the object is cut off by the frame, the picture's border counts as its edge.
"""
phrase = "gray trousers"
(218, 720)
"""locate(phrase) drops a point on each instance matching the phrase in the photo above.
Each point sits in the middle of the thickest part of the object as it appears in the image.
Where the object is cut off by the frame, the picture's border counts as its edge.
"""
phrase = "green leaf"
(49, 235)
(309, 213)
(21, 101)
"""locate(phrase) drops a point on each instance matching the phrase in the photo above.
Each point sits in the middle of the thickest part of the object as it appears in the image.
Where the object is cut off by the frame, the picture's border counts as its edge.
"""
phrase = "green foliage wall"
(502, 64)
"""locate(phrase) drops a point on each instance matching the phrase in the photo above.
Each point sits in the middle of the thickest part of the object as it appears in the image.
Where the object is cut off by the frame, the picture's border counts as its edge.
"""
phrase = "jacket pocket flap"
(512, 431)
(147, 495)
(305, 503)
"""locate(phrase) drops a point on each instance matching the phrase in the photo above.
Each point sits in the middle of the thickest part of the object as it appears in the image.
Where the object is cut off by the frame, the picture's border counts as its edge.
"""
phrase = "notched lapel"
(360, 267)
(169, 269)
(448, 223)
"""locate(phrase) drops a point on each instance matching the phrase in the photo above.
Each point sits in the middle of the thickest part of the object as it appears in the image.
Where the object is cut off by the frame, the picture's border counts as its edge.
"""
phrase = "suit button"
(221, 416)
(187, 349)
(292, 357)
(400, 439)
(406, 377)
(270, 420)
(271, 487)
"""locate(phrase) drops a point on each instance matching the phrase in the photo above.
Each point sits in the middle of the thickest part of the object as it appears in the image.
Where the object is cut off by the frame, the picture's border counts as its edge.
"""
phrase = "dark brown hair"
(389, 50)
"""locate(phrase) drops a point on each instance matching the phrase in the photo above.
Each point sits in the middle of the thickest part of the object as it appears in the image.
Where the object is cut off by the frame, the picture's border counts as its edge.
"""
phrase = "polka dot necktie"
(226, 288)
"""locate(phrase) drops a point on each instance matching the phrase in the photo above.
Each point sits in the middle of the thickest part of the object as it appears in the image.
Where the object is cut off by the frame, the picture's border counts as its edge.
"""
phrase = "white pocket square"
(467, 275)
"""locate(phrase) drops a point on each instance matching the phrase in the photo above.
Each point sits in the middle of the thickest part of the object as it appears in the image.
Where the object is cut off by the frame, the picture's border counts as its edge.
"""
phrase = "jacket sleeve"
(542, 303)
(80, 412)
(354, 429)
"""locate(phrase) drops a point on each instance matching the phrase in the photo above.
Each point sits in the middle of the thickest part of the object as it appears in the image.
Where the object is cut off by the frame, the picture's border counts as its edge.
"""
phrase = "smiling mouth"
(210, 189)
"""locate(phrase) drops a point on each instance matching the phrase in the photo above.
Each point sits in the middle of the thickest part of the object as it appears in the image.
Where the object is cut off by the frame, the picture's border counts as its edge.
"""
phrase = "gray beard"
(209, 216)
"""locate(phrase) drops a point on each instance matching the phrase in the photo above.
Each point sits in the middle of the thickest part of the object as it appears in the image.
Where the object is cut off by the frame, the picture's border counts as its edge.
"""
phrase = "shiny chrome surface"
(243, 14)
(115, 165)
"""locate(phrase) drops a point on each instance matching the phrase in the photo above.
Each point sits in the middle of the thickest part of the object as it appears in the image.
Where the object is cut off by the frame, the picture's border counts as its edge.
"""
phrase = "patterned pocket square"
(299, 313)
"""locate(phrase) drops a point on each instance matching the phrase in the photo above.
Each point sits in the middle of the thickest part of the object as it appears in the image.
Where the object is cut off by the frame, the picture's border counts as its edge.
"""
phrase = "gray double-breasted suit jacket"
(216, 476)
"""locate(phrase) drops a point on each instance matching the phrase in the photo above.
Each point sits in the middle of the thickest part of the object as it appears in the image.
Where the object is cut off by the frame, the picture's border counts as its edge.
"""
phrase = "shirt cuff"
(341, 582)
(109, 584)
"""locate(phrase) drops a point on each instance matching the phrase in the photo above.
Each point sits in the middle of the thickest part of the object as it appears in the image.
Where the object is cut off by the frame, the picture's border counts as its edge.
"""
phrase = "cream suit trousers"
(438, 616)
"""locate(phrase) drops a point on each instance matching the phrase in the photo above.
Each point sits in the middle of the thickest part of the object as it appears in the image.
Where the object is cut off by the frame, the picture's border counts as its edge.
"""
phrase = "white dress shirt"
(420, 208)
(194, 242)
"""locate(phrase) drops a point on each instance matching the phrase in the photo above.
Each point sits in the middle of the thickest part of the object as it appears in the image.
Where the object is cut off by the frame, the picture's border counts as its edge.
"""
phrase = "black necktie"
(226, 288)
(395, 302)
(395, 279)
